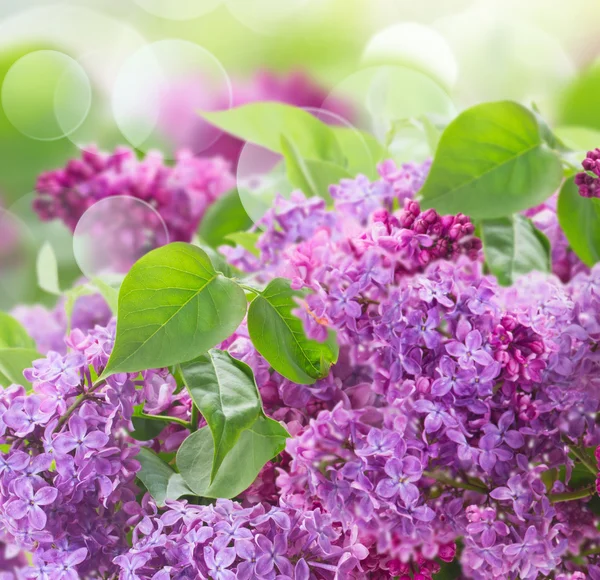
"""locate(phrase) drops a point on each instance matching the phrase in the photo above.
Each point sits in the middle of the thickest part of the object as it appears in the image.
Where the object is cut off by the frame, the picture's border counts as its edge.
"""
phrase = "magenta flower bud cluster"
(180, 194)
(589, 185)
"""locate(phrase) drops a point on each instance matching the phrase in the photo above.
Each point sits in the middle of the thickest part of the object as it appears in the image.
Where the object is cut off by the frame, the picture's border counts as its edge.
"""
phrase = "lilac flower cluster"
(180, 194)
(458, 409)
(589, 185)
(70, 466)
(455, 403)
(48, 326)
(226, 541)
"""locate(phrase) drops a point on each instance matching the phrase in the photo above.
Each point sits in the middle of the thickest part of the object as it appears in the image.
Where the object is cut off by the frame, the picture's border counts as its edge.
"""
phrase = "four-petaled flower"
(30, 502)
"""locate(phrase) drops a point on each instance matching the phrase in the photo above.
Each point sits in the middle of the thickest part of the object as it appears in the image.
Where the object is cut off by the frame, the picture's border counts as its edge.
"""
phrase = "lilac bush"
(398, 408)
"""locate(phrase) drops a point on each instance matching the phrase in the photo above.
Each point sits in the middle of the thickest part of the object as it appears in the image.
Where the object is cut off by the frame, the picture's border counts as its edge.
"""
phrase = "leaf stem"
(446, 480)
(166, 419)
(249, 288)
(194, 419)
(572, 495)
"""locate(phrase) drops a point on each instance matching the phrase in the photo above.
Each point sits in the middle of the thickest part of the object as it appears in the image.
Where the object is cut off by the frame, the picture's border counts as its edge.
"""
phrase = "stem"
(442, 478)
(166, 419)
(571, 495)
(76, 404)
(194, 419)
(249, 288)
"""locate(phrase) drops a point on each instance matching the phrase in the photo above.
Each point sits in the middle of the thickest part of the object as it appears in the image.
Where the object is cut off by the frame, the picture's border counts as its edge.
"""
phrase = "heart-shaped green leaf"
(513, 247)
(161, 480)
(279, 336)
(258, 444)
(226, 394)
(311, 176)
(579, 218)
(173, 306)
(225, 216)
(264, 124)
(491, 162)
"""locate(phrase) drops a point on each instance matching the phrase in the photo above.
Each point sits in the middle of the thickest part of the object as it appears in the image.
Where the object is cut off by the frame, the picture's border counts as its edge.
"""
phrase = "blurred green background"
(465, 51)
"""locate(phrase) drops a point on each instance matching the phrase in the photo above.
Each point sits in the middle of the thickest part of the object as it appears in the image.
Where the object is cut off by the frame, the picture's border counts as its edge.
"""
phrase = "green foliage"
(162, 482)
(579, 103)
(12, 334)
(313, 177)
(258, 444)
(514, 246)
(246, 240)
(224, 390)
(579, 218)
(225, 216)
(279, 336)
(491, 161)
(173, 305)
(13, 361)
(265, 123)
(109, 293)
(47, 270)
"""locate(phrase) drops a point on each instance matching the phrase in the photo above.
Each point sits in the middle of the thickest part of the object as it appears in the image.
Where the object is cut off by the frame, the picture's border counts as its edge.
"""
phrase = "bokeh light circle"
(114, 233)
(178, 9)
(267, 16)
(159, 91)
(386, 98)
(416, 46)
(501, 57)
(260, 177)
(46, 95)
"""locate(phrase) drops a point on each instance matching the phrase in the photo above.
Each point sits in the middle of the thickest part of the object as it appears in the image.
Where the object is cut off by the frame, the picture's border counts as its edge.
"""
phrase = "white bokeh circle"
(46, 95)
(179, 9)
(416, 46)
(384, 98)
(114, 233)
(161, 88)
(267, 16)
(501, 57)
(260, 177)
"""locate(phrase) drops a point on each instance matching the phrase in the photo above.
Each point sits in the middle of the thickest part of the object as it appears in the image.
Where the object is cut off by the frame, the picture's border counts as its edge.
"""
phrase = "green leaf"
(173, 306)
(13, 361)
(258, 444)
(146, 429)
(225, 392)
(247, 240)
(110, 294)
(513, 247)
(311, 176)
(491, 162)
(579, 218)
(279, 336)
(579, 103)
(227, 215)
(264, 123)
(161, 480)
(362, 151)
(47, 270)
(217, 259)
(12, 334)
